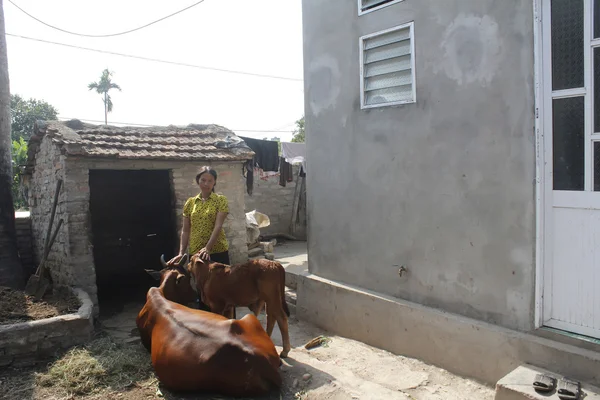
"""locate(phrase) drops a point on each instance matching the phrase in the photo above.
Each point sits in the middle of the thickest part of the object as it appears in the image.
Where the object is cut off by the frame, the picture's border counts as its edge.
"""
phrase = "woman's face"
(206, 182)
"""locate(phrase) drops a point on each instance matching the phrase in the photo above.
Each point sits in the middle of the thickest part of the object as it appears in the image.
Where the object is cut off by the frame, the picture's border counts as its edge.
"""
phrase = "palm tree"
(102, 87)
(11, 273)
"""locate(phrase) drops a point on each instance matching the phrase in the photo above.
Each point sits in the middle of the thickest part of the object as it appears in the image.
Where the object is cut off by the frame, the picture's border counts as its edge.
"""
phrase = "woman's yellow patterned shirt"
(202, 215)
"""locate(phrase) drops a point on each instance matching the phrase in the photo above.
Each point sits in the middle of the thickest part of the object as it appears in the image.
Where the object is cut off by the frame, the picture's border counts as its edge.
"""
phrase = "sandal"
(544, 383)
(568, 389)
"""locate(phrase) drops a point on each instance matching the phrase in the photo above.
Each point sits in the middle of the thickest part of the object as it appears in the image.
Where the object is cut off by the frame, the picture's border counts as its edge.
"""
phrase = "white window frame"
(379, 7)
(361, 40)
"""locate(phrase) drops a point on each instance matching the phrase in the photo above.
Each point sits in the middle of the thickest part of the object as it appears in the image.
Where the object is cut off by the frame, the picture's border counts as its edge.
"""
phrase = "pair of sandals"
(567, 389)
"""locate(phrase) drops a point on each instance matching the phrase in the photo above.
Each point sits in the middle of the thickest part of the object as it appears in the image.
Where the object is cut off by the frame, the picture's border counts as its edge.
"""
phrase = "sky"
(262, 37)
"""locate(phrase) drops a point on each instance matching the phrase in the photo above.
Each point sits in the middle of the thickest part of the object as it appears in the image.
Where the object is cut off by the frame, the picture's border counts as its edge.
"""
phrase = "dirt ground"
(17, 306)
(343, 369)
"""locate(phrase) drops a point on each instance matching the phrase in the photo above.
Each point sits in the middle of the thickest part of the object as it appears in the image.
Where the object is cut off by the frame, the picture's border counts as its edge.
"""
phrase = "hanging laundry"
(265, 175)
(267, 153)
(285, 172)
(248, 172)
(294, 153)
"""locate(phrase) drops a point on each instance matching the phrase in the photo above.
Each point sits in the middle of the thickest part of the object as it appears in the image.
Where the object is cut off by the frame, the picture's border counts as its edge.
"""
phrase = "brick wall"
(231, 183)
(276, 201)
(24, 244)
(71, 260)
(49, 168)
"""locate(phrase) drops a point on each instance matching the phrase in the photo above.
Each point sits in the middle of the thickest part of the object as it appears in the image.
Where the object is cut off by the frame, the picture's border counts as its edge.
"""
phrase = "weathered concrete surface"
(444, 186)
(25, 343)
(294, 258)
(517, 385)
(343, 369)
(461, 345)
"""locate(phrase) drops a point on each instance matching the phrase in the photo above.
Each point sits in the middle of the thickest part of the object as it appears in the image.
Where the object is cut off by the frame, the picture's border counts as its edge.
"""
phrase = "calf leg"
(220, 308)
(282, 322)
(271, 319)
(256, 308)
(275, 313)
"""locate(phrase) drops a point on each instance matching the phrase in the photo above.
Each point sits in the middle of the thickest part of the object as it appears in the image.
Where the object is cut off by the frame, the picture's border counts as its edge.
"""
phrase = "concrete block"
(517, 385)
(255, 252)
(267, 247)
(461, 345)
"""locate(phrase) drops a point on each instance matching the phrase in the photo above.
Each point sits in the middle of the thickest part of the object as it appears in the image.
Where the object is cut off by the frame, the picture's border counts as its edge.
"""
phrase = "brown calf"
(251, 284)
(198, 350)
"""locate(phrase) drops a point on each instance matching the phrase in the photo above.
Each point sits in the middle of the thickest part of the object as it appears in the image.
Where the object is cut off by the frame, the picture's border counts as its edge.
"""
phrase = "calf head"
(177, 287)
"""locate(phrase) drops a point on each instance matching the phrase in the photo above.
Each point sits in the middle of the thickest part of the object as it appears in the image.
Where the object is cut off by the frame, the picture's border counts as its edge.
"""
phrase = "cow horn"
(162, 260)
(184, 259)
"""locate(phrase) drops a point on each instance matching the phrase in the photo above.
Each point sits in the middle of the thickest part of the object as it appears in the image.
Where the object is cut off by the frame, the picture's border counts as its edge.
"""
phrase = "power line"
(149, 125)
(109, 34)
(156, 59)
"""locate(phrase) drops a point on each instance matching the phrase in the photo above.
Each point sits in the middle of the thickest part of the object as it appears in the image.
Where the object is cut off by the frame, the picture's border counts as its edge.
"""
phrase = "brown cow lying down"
(194, 350)
(251, 284)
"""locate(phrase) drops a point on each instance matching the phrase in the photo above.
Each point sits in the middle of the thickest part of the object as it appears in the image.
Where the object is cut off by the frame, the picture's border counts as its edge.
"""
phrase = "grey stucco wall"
(444, 186)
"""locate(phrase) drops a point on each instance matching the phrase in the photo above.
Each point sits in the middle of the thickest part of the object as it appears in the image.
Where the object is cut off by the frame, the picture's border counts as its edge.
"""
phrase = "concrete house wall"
(444, 186)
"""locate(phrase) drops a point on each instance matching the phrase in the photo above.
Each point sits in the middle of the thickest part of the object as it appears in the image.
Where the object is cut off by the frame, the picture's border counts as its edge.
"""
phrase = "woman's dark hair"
(205, 170)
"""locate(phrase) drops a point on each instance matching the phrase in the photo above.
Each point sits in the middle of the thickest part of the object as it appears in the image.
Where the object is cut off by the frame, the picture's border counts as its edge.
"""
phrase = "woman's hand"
(204, 254)
(174, 260)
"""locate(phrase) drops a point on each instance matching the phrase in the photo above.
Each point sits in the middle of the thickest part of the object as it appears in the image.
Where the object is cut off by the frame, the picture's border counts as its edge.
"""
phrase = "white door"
(571, 176)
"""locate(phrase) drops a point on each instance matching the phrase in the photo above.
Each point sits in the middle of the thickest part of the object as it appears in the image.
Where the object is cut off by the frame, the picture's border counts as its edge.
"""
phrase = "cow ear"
(153, 273)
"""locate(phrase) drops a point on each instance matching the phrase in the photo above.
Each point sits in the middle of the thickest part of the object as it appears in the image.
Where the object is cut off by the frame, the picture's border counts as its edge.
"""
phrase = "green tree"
(19, 158)
(24, 113)
(11, 272)
(103, 86)
(299, 132)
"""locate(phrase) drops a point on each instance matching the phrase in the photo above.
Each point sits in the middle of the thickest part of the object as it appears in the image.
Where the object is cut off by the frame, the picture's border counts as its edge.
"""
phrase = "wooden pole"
(295, 204)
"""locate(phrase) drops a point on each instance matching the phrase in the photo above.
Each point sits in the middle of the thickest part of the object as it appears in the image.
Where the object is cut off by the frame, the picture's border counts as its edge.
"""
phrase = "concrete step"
(290, 299)
(517, 385)
(290, 296)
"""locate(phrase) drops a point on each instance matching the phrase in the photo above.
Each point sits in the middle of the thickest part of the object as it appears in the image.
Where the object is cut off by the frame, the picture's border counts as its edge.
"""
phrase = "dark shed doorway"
(132, 225)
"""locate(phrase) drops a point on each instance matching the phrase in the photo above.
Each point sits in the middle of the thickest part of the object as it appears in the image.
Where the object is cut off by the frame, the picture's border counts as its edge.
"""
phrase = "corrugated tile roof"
(193, 142)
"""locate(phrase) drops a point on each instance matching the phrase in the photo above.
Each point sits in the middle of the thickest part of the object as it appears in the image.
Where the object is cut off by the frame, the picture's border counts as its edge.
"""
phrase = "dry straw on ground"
(102, 364)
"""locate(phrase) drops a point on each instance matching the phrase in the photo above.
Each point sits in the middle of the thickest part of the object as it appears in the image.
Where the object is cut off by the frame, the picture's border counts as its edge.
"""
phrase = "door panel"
(571, 278)
(574, 300)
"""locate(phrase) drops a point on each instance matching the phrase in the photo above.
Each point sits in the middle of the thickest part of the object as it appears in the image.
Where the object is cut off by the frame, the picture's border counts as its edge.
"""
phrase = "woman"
(203, 218)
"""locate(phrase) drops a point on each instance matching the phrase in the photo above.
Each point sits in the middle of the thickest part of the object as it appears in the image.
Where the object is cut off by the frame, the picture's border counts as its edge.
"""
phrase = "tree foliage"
(24, 113)
(19, 158)
(299, 132)
(103, 86)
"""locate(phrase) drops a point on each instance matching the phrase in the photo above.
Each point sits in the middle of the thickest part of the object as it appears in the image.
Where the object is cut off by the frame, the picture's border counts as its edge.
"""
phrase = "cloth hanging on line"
(265, 175)
(267, 153)
(285, 172)
(248, 172)
(294, 153)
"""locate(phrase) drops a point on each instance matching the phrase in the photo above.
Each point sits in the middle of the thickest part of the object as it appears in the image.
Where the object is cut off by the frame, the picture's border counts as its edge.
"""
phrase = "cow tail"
(283, 302)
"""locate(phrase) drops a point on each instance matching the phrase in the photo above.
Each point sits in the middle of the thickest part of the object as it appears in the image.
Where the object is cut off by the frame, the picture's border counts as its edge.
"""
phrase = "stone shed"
(122, 198)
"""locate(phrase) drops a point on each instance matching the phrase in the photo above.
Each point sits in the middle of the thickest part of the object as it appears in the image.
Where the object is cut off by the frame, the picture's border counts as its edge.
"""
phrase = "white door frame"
(545, 197)
(540, 181)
